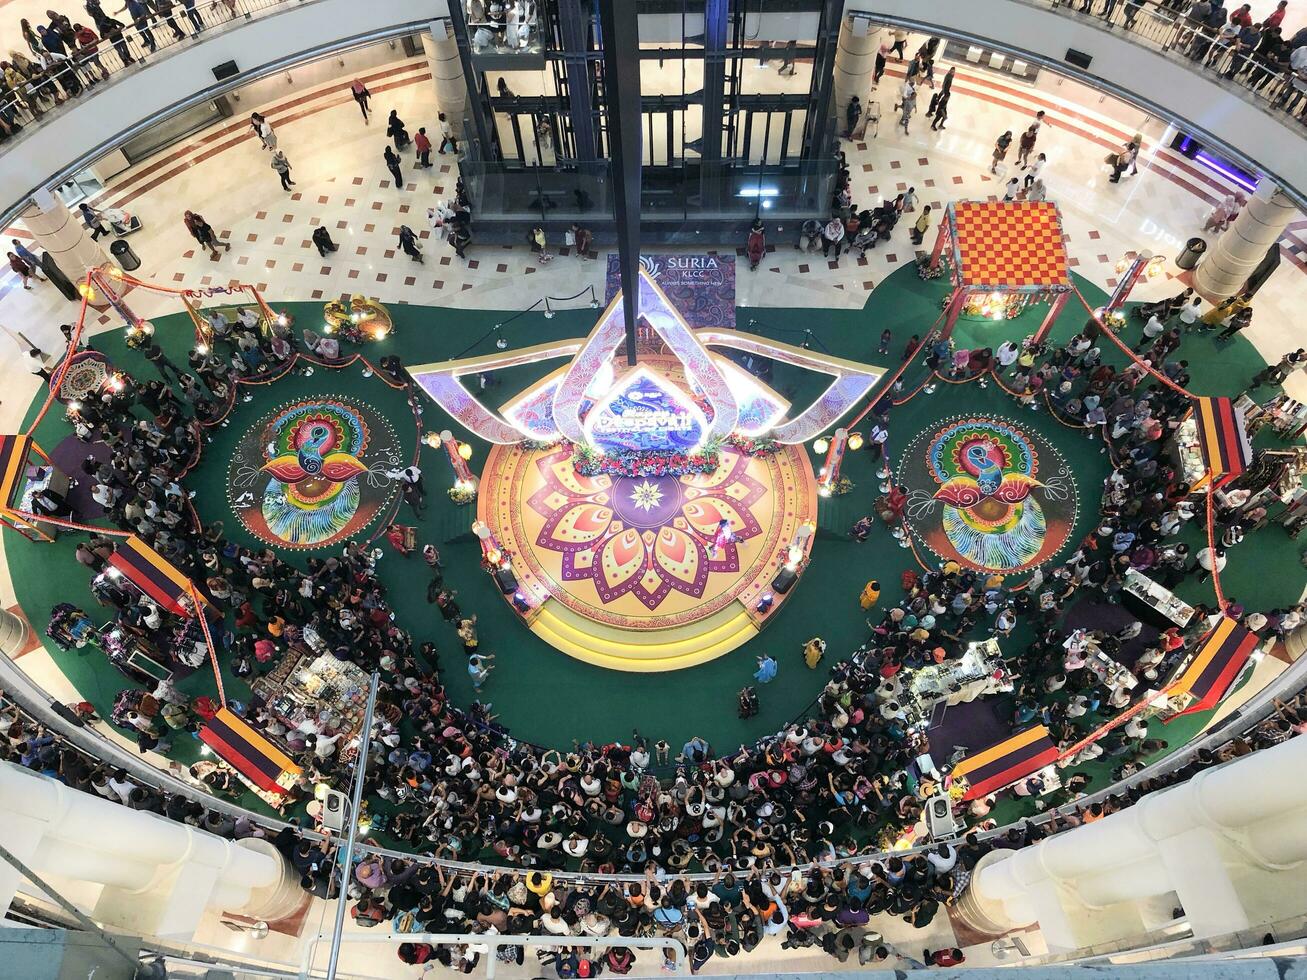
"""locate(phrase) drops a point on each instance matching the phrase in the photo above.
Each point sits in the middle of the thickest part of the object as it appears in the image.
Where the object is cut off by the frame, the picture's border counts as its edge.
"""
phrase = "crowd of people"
(846, 782)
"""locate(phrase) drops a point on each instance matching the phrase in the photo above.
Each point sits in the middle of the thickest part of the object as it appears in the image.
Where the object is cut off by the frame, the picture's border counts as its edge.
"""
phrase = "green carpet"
(551, 699)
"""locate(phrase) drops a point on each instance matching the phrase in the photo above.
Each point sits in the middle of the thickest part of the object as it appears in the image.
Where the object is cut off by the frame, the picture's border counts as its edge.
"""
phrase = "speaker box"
(1078, 58)
(506, 580)
(784, 580)
(225, 70)
(334, 806)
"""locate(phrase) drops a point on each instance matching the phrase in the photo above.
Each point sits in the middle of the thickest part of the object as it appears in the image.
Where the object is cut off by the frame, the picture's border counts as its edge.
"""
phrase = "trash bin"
(1193, 251)
(122, 253)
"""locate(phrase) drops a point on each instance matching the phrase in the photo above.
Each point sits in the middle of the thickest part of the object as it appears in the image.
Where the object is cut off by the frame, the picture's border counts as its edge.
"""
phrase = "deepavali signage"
(643, 414)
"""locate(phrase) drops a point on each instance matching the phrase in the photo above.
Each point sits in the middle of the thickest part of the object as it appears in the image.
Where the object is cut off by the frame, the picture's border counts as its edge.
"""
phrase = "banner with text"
(701, 286)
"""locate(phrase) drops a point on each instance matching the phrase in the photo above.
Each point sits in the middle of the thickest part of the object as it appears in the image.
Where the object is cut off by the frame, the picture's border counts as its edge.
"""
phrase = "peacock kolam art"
(313, 472)
(989, 494)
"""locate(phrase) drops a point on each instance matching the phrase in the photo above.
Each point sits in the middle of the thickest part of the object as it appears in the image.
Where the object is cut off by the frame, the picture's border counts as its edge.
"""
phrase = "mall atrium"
(536, 488)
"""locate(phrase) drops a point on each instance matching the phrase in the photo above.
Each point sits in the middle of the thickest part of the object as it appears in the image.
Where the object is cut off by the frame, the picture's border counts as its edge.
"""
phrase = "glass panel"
(504, 27)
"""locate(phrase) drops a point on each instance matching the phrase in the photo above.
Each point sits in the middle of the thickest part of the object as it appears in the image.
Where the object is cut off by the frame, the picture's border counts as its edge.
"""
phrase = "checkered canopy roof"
(1008, 245)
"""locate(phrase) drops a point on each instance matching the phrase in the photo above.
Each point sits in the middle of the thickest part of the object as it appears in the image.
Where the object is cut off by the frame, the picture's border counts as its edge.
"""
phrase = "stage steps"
(648, 651)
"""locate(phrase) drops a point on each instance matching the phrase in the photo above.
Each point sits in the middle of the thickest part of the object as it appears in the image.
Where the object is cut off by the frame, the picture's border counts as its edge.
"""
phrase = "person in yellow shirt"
(870, 594)
(812, 652)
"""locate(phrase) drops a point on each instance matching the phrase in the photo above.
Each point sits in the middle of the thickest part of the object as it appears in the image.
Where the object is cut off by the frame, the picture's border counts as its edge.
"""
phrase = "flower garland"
(461, 494)
(587, 462)
(753, 445)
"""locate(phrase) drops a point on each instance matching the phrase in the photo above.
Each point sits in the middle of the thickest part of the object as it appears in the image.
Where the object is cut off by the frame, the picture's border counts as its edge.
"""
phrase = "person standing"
(361, 96)
(1000, 150)
(756, 246)
(392, 164)
(922, 226)
(23, 270)
(1026, 145)
(422, 146)
(907, 104)
(447, 137)
(28, 256)
(322, 241)
(267, 136)
(282, 166)
(396, 131)
(852, 113)
(408, 241)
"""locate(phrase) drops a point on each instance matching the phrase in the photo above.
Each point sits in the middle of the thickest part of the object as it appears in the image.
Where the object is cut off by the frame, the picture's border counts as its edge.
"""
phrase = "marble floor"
(341, 182)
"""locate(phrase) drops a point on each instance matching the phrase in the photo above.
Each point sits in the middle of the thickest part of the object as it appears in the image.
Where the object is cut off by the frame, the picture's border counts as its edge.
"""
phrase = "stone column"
(855, 63)
(1230, 844)
(447, 74)
(156, 877)
(13, 633)
(62, 233)
(1243, 245)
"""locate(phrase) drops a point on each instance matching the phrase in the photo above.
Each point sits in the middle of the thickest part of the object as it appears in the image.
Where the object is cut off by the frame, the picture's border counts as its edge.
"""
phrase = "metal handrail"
(1153, 25)
(1288, 683)
(78, 73)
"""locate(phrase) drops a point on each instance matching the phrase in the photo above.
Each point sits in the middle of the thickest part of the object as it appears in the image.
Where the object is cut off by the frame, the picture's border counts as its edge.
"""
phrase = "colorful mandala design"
(981, 492)
(645, 536)
(313, 472)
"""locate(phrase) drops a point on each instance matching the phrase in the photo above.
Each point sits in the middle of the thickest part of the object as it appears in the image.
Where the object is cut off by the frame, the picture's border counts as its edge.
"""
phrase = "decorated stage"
(625, 571)
(649, 506)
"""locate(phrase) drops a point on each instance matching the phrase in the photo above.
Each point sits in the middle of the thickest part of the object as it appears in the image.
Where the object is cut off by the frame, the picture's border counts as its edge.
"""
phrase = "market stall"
(25, 471)
(1154, 603)
(1207, 677)
(156, 578)
(255, 759)
(313, 690)
(1003, 256)
(1003, 763)
(979, 671)
(1211, 444)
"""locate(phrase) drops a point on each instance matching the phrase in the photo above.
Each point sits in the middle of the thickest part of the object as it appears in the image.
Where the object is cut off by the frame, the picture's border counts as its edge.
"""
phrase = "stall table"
(1154, 603)
(979, 671)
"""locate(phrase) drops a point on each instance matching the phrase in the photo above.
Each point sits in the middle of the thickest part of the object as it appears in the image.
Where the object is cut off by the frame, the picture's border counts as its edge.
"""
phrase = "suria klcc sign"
(695, 395)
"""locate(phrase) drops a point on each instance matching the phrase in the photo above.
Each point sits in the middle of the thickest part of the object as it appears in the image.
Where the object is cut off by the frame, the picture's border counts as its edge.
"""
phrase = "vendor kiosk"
(25, 471)
(1005, 762)
(1209, 675)
(1211, 445)
(1003, 256)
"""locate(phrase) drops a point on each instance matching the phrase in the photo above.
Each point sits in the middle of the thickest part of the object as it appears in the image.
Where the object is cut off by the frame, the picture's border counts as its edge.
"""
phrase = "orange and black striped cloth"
(252, 755)
(154, 575)
(1223, 437)
(13, 461)
(1003, 763)
(1208, 676)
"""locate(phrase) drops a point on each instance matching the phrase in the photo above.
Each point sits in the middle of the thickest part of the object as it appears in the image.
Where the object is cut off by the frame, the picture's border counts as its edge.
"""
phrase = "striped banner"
(252, 755)
(154, 575)
(1213, 669)
(1003, 763)
(1223, 438)
(13, 459)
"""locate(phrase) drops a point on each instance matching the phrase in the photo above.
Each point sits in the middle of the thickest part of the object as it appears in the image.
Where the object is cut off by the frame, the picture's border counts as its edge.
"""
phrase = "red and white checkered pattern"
(1010, 243)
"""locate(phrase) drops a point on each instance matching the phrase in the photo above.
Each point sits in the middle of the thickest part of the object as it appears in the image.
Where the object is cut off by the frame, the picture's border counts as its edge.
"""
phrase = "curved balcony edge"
(72, 139)
(1162, 83)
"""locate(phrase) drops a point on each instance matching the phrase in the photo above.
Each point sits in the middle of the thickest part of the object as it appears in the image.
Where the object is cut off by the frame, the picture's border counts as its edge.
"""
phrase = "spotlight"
(821, 445)
(855, 441)
(465, 450)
